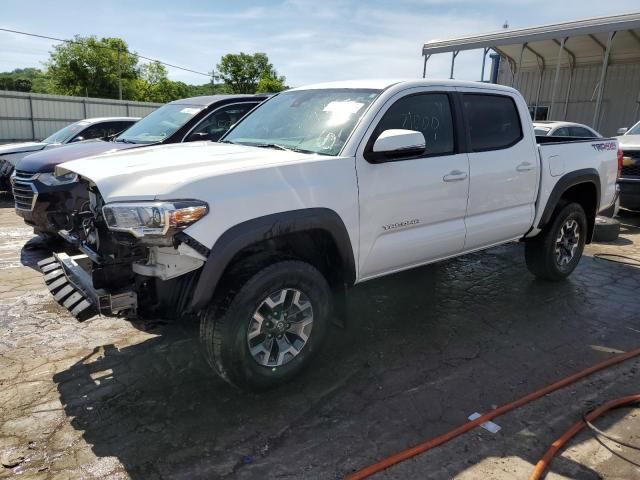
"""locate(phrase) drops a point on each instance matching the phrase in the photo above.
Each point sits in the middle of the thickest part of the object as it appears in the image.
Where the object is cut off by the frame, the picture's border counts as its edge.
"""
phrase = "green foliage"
(89, 67)
(243, 73)
(24, 80)
(153, 85)
(271, 85)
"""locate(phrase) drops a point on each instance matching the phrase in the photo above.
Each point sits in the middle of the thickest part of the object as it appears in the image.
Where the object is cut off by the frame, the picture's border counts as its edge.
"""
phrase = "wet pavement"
(421, 352)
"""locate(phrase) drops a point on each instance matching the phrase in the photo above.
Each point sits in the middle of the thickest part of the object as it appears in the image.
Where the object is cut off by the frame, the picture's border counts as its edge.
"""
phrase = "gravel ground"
(421, 352)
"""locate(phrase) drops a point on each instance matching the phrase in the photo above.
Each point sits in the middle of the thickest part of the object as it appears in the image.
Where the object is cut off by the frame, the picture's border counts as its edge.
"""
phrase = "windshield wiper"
(124, 140)
(282, 147)
(228, 141)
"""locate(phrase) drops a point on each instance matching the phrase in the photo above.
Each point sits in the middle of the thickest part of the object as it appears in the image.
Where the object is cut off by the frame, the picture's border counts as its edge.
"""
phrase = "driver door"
(412, 209)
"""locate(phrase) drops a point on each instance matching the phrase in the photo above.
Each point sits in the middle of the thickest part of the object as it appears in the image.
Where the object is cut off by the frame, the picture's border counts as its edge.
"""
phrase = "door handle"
(525, 167)
(455, 176)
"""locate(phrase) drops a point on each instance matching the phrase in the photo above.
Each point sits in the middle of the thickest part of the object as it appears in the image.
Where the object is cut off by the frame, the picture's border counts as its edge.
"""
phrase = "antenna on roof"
(505, 25)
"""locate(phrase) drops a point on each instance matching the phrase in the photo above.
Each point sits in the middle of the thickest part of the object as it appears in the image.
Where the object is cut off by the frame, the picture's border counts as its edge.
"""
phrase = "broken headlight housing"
(153, 219)
(53, 180)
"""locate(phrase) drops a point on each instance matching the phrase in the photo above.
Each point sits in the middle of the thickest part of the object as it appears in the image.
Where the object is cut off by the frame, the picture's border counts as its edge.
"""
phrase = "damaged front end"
(134, 260)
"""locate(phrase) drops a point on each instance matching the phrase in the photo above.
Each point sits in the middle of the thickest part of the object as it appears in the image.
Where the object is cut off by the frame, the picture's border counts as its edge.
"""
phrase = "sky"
(308, 41)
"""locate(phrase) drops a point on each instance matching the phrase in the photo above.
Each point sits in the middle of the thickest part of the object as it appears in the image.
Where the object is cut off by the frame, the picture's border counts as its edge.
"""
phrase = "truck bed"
(577, 156)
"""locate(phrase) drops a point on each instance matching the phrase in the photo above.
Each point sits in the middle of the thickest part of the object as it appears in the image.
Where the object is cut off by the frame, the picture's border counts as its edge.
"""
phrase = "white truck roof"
(381, 84)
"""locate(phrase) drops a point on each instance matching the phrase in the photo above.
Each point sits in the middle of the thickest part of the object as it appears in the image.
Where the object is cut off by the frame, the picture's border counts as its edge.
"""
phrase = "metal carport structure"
(558, 65)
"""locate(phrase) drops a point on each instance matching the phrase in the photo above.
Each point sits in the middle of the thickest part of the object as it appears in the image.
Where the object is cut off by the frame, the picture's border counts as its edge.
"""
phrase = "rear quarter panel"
(558, 159)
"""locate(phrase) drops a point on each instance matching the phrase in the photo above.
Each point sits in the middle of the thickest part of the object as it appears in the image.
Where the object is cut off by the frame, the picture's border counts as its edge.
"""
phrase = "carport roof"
(585, 41)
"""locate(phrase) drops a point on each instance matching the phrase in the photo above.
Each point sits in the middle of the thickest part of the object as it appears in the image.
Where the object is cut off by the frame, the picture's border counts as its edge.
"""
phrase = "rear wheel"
(555, 252)
(273, 325)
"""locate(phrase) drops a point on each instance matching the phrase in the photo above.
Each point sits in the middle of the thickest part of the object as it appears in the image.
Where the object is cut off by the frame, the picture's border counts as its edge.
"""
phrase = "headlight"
(52, 180)
(153, 218)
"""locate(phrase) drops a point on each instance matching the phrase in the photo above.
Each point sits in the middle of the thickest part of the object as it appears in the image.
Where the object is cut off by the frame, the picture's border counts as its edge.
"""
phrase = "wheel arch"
(580, 186)
(273, 231)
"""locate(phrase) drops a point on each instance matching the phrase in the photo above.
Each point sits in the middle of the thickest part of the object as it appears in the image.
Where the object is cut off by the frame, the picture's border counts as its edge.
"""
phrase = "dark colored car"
(44, 200)
(87, 129)
(629, 181)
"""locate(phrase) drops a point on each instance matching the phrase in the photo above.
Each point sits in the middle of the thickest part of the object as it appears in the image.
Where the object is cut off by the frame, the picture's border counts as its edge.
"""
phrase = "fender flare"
(268, 227)
(585, 175)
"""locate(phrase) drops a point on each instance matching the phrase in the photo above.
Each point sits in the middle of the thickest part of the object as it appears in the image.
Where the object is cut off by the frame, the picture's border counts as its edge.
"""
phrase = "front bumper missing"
(68, 279)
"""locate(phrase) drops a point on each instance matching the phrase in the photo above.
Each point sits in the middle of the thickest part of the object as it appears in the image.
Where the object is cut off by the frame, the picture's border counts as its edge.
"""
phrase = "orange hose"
(434, 442)
(544, 462)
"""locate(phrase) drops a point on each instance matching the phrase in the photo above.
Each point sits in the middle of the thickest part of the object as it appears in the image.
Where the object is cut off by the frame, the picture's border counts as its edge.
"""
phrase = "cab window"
(428, 113)
(493, 121)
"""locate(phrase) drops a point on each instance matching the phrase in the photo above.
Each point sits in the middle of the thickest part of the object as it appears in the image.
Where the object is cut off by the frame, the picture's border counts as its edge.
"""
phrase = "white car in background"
(87, 129)
(564, 129)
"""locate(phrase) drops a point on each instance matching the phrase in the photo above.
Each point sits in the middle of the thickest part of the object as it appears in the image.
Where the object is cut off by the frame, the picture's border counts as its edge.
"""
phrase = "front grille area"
(632, 169)
(24, 195)
(25, 176)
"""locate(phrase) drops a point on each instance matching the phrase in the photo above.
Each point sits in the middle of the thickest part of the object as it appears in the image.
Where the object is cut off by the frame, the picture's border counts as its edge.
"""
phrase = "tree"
(242, 72)
(24, 80)
(22, 85)
(271, 85)
(89, 66)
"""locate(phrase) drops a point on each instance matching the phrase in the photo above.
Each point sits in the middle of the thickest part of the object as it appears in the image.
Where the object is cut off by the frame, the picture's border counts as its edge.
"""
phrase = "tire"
(225, 332)
(540, 252)
(606, 230)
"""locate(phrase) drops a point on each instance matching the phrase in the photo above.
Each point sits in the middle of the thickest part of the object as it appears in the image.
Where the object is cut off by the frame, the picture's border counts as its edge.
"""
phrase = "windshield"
(160, 124)
(542, 131)
(313, 121)
(635, 130)
(61, 136)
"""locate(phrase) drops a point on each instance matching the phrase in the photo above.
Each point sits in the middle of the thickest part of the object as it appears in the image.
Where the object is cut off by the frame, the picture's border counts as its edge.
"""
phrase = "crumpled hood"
(46, 160)
(166, 171)
(21, 147)
(629, 141)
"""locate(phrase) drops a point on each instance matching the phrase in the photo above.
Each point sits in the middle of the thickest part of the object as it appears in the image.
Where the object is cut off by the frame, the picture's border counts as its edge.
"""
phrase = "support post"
(454, 54)
(424, 68)
(603, 77)
(484, 60)
(516, 82)
(535, 108)
(566, 100)
(556, 77)
(33, 122)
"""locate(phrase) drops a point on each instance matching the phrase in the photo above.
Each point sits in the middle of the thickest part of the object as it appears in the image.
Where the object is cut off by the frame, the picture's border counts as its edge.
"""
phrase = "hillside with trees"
(92, 67)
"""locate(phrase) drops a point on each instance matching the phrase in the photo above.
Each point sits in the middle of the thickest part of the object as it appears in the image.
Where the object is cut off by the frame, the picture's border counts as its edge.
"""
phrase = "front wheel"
(556, 251)
(271, 328)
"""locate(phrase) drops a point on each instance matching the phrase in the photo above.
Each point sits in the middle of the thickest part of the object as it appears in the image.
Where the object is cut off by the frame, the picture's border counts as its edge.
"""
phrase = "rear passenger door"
(504, 170)
(412, 208)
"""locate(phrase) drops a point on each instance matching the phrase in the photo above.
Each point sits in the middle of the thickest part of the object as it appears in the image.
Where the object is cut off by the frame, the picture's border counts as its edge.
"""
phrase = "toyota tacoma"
(320, 188)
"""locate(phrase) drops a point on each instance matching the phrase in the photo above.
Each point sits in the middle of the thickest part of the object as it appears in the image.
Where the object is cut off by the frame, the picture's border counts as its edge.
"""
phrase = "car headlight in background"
(53, 180)
(153, 218)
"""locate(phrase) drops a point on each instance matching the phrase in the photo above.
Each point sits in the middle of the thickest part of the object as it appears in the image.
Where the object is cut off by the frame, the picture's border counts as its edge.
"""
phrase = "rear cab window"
(581, 132)
(493, 121)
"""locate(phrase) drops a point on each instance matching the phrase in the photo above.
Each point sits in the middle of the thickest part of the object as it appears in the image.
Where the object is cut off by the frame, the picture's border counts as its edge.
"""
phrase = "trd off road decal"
(605, 146)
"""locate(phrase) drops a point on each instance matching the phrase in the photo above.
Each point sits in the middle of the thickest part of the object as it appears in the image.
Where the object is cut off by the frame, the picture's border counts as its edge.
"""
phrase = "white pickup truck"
(320, 188)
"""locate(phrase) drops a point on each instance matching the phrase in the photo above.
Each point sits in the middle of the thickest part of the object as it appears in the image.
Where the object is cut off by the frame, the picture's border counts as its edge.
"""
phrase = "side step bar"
(72, 287)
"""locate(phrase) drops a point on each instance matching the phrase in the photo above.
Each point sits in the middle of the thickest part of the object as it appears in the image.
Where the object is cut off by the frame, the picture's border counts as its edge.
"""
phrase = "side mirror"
(77, 139)
(194, 137)
(397, 143)
(622, 131)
